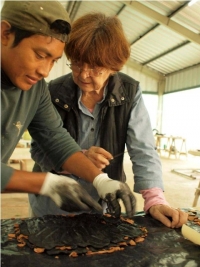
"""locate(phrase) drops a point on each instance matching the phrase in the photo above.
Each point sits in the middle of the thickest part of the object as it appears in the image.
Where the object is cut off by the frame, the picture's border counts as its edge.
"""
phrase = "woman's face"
(90, 79)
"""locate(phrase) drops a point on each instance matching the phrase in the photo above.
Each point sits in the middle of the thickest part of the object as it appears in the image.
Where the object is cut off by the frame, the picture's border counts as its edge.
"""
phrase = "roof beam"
(121, 9)
(164, 20)
(157, 25)
(145, 70)
(72, 8)
(181, 70)
(166, 52)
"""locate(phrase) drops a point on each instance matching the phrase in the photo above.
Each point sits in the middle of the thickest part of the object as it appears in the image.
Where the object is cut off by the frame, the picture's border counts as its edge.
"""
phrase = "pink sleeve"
(153, 196)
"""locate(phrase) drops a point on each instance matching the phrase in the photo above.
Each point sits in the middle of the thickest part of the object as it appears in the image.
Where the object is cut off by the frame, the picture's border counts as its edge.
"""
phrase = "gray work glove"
(68, 194)
(111, 190)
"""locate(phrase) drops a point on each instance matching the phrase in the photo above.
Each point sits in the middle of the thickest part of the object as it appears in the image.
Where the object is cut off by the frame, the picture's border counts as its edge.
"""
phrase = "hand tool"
(116, 156)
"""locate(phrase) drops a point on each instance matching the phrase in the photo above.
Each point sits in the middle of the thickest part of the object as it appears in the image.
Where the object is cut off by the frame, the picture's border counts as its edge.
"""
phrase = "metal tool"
(122, 154)
(116, 156)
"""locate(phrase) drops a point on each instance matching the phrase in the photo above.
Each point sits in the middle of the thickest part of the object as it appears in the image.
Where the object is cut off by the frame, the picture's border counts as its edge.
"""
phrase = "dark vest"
(114, 114)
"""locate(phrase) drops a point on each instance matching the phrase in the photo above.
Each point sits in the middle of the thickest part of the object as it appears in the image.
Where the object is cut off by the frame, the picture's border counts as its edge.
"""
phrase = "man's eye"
(39, 56)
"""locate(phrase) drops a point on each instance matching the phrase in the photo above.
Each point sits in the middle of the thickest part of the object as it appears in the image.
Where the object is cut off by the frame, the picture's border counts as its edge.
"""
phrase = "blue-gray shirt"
(139, 142)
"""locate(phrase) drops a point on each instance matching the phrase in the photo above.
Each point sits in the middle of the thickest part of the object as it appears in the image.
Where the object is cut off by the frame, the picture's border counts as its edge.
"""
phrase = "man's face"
(31, 60)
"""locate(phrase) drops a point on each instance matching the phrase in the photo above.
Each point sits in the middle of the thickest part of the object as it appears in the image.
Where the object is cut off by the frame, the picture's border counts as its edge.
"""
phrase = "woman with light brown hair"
(99, 42)
(103, 110)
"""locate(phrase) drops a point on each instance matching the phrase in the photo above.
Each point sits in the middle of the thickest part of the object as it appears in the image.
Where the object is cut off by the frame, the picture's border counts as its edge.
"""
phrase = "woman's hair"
(98, 41)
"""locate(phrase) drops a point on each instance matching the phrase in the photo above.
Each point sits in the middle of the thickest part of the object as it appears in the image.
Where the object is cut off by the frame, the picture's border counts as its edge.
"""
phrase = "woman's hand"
(170, 217)
(99, 156)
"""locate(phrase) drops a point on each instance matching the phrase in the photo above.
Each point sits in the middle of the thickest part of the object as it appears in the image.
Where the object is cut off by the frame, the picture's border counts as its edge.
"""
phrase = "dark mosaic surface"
(93, 231)
(162, 247)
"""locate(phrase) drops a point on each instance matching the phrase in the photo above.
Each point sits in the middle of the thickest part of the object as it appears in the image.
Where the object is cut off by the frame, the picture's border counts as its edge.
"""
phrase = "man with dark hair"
(33, 36)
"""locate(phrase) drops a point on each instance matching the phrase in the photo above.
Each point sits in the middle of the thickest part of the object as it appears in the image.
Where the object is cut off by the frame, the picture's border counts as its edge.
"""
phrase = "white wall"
(151, 103)
(181, 108)
(181, 112)
(188, 78)
(59, 69)
(147, 83)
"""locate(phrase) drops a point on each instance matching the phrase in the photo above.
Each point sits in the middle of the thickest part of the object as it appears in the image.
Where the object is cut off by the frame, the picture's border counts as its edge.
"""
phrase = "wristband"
(102, 177)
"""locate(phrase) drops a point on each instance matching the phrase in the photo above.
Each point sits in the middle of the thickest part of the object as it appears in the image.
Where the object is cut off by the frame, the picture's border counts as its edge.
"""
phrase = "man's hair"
(98, 41)
(58, 26)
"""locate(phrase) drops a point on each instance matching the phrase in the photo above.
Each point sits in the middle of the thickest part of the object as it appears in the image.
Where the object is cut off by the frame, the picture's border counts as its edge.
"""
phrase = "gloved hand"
(68, 194)
(111, 190)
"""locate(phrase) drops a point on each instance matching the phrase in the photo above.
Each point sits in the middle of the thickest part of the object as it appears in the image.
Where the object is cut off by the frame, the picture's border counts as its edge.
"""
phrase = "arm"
(147, 166)
(65, 192)
(21, 181)
(84, 164)
(55, 149)
(141, 147)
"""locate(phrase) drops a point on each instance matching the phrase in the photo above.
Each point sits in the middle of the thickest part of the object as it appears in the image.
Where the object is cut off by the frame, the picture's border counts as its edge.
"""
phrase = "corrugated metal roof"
(164, 35)
(163, 7)
(134, 24)
(187, 55)
(159, 41)
(190, 17)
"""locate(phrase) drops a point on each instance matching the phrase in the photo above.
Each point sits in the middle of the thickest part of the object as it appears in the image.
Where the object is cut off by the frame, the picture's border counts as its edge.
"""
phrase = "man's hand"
(99, 156)
(110, 191)
(68, 194)
(170, 217)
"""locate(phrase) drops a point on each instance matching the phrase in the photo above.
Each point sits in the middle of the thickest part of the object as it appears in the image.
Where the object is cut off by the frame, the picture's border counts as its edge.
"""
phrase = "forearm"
(153, 196)
(64, 191)
(79, 165)
(29, 182)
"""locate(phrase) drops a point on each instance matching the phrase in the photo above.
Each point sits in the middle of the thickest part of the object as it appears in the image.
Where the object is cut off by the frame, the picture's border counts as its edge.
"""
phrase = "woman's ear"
(5, 32)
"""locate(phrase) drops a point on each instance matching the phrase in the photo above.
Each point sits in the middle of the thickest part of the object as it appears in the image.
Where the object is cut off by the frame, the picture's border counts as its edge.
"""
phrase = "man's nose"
(44, 69)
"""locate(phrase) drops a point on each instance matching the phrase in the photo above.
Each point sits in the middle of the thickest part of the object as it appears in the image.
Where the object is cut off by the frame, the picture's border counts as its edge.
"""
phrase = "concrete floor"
(179, 190)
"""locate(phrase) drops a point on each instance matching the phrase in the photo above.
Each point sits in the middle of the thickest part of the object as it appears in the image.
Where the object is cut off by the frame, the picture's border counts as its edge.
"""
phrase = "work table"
(162, 247)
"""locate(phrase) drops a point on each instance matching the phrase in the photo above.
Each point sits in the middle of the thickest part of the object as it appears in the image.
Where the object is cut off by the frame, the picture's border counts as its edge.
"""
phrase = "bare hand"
(99, 156)
(170, 217)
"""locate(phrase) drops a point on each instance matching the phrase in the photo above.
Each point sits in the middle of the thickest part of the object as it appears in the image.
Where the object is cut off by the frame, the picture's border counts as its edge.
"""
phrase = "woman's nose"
(84, 73)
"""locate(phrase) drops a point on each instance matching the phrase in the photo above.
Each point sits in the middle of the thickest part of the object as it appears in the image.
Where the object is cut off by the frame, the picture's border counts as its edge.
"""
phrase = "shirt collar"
(105, 90)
